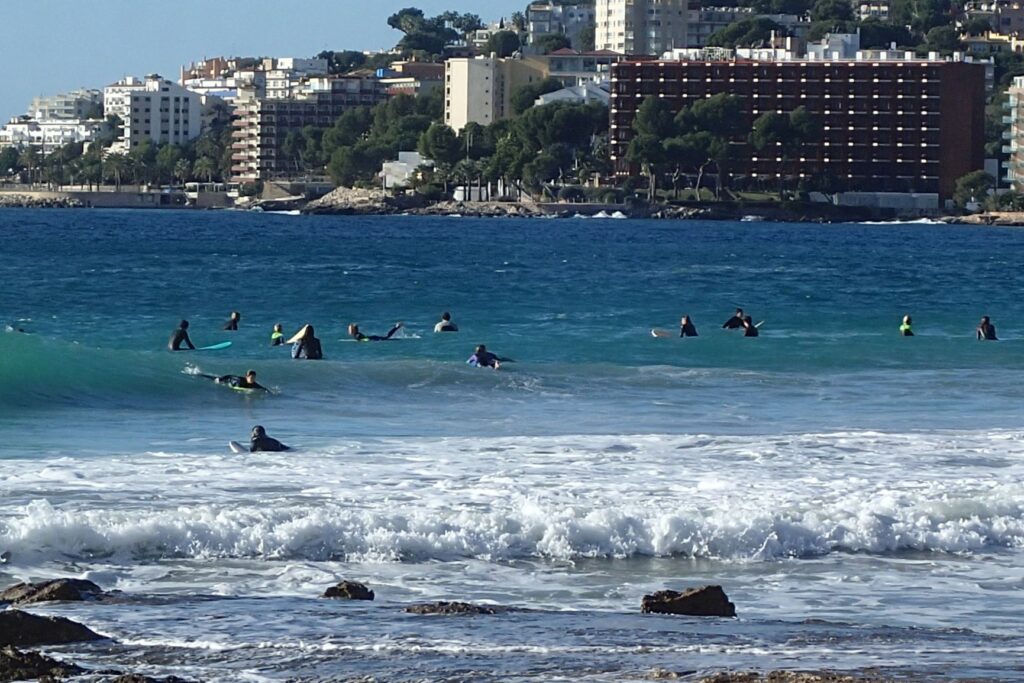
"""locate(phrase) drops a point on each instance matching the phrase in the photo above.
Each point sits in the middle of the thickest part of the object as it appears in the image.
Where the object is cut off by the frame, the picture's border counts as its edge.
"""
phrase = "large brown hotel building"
(886, 126)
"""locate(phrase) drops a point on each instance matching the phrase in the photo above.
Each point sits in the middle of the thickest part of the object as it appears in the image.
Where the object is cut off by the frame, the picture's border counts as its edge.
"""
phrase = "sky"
(51, 46)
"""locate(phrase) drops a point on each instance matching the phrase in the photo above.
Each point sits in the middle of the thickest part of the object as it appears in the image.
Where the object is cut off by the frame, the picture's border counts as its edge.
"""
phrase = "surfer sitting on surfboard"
(180, 337)
(749, 328)
(260, 442)
(353, 331)
(735, 322)
(686, 327)
(236, 382)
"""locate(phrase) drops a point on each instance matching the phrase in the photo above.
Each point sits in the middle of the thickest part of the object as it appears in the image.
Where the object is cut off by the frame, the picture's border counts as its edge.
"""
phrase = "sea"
(859, 495)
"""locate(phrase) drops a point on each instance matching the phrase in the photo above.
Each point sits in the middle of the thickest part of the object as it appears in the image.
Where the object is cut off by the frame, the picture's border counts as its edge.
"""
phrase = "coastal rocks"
(452, 608)
(350, 201)
(19, 666)
(27, 201)
(50, 591)
(790, 677)
(139, 678)
(349, 590)
(481, 210)
(1005, 218)
(23, 629)
(709, 601)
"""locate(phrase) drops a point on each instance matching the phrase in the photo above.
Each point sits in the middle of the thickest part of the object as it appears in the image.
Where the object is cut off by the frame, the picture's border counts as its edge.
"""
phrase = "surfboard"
(215, 347)
(237, 447)
(662, 333)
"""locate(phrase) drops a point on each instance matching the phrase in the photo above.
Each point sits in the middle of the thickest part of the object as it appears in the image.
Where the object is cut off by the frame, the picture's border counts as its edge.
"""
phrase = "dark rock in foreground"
(709, 601)
(447, 608)
(47, 591)
(24, 629)
(139, 678)
(20, 666)
(349, 590)
(791, 677)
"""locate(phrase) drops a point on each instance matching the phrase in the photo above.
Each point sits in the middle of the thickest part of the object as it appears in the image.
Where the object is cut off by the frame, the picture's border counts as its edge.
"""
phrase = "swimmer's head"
(258, 431)
(446, 316)
(183, 324)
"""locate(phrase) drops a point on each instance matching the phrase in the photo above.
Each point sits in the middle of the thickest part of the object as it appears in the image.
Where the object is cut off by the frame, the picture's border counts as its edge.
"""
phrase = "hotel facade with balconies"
(886, 125)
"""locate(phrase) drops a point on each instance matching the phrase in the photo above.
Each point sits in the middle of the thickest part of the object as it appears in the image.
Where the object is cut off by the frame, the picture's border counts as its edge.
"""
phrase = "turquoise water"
(857, 493)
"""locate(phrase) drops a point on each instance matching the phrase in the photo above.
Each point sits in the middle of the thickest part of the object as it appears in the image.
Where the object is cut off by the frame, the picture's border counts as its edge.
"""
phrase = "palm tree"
(182, 170)
(205, 167)
(116, 165)
(29, 160)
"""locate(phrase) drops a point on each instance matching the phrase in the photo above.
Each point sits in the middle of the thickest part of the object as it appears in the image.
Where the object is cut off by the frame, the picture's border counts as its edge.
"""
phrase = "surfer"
(686, 327)
(353, 331)
(232, 324)
(259, 442)
(306, 345)
(236, 382)
(986, 330)
(180, 337)
(905, 328)
(446, 324)
(482, 358)
(749, 328)
(735, 322)
(277, 335)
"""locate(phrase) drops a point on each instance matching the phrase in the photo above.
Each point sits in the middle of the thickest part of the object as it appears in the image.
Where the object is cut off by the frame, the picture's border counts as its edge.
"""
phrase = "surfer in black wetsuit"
(261, 443)
(687, 328)
(749, 328)
(180, 337)
(735, 322)
(446, 324)
(353, 331)
(986, 330)
(306, 345)
(232, 324)
(247, 382)
(482, 358)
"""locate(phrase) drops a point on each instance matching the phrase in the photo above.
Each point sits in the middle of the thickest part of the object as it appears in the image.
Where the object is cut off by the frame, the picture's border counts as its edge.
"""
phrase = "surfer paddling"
(482, 358)
(353, 331)
(240, 382)
(259, 442)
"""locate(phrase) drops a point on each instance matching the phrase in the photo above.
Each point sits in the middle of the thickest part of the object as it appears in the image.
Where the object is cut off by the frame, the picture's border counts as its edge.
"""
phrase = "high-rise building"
(479, 89)
(154, 109)
(546, 18)
(77, 104)
(887, 123)
(641, 27)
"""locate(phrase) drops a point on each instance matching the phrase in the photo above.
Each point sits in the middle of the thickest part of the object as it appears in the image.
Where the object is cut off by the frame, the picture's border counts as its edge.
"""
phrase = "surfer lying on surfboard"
(242, 383)
(353, 331)
(482, 358)
(259, 442)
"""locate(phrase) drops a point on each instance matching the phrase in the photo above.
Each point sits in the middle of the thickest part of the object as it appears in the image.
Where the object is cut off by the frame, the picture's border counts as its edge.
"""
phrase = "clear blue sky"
(51, 46)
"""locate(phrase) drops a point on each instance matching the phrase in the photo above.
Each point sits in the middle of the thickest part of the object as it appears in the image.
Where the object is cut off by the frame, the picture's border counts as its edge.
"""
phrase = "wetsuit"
(987, 331)
(733, 323)
(484, 360)
(906, 331)
(276, 338)
(239, 382)
(308, 349)
(266, 444)
(180, 337)
(446, 326)
(359, 336)
(231, 325)
(688, 330)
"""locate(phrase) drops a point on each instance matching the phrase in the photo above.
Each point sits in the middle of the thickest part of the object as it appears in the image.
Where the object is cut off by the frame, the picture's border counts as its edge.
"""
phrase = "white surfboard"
(237, 447)
(656, 332)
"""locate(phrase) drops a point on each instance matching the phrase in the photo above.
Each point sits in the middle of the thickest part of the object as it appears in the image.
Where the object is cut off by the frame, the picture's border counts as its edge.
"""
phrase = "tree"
(552, 42)
(8, 160)
(709, 127)
(586, 39)
(205, 167)
(342, 62)
(977, 26)
(519, 21)
(408, 20)
(183, 170)
(943, 39)
(880, 35)
(784, 134)
(745, 33)
(832, 10)
(166, 161)
(440, 144)
(524, 97)
(655, 118)
(972, 187)
(503, 43)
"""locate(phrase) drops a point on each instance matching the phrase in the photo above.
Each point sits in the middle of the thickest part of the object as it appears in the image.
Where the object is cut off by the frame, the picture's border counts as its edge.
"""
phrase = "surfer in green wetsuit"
(905, 328)
(180, 337)
(353, 331)
(277, 335)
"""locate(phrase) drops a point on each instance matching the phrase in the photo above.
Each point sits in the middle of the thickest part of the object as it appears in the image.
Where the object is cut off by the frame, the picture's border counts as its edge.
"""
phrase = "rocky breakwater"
(31, 201)
(481, 210)
(347, 201)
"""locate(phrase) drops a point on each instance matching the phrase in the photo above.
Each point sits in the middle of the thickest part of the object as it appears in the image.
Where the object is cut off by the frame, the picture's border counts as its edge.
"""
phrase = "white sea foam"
(564, 498)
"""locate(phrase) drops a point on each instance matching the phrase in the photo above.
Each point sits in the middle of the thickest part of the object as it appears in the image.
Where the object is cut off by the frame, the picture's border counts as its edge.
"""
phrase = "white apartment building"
(641, 27)
(77, 104)
(154, 109)
(544, 18)
(50, 135)
(479, 89)
(1013, 134)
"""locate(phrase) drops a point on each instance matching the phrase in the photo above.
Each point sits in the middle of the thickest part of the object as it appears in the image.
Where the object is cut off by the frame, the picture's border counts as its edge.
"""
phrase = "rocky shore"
(19, 629)
(21, 201)
(1000, 218)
